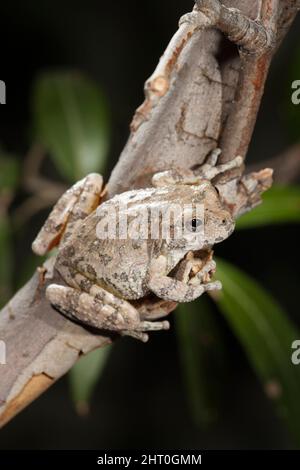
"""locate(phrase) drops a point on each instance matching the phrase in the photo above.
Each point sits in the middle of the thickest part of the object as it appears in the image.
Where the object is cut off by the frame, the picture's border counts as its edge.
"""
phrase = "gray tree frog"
(103, 276)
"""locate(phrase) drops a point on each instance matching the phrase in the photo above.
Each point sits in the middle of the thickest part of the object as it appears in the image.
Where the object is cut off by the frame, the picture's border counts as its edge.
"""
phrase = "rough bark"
(199, 106)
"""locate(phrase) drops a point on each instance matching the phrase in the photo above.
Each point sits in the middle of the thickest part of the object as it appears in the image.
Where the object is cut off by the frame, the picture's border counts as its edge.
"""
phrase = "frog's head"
(218, 221)
(205, 220)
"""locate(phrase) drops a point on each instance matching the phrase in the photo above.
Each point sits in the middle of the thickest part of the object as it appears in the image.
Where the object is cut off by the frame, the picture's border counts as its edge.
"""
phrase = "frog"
(103, 276)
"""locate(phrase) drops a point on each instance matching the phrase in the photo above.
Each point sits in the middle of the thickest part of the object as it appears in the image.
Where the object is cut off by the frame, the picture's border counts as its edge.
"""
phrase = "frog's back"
(119, 265)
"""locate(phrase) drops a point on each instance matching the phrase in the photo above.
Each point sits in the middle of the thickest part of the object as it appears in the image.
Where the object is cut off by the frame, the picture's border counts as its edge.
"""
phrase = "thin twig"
(286, 165)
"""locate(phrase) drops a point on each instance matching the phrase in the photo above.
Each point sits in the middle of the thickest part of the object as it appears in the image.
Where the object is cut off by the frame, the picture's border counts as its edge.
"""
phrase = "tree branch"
(197, 106)
(286, 165)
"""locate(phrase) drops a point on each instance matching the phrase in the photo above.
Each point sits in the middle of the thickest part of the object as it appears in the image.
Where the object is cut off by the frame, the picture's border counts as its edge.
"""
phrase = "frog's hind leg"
(73, 206)
(252, 36)
(100, 309)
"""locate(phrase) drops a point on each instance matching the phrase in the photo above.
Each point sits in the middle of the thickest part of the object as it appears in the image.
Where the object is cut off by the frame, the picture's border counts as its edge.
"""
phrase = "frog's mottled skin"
(104, 275)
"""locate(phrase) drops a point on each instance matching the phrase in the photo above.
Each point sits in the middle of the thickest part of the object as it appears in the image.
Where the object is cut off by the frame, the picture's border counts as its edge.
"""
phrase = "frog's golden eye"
(193, 225)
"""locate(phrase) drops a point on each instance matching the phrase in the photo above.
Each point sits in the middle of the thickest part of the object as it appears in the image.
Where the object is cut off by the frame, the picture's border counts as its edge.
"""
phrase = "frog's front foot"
(102, 310)
(207, 171)
(203, 276)
(171, 289)
(210, 169)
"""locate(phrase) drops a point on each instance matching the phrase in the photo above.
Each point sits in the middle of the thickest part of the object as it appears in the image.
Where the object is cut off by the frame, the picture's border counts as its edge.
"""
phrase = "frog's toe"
(136, 334)
(216, 285)
(208, 268)
(204, 275)
(153, 326)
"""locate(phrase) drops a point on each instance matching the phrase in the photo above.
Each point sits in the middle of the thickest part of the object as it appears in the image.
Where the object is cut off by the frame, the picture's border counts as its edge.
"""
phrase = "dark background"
(140, 400)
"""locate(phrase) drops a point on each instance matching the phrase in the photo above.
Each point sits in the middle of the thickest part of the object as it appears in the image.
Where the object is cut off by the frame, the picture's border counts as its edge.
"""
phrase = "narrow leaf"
(281, 204)
(71, 121)
(267, 334)
(203, 356)
(9, 172)
(84, 376)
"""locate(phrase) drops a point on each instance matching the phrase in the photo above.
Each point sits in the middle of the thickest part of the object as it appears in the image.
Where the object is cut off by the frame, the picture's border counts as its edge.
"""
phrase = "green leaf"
(84, 376)
(203, 357)
(9, 172)
(71, 121)
(6, 259)
(281, 204)
(267, 334)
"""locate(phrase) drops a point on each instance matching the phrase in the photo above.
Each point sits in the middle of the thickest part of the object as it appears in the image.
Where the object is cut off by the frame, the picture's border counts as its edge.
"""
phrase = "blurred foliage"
(203, 357)
(281, 205)
(84, 376)
(9, 172)
(71, 120)
(266, 334)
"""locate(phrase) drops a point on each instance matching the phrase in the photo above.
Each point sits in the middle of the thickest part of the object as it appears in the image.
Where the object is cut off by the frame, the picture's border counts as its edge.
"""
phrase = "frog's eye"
(194, 224)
